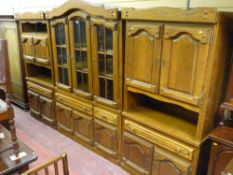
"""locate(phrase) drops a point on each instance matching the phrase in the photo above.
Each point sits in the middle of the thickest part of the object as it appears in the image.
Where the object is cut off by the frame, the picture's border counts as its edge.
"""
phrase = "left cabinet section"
(35, 42)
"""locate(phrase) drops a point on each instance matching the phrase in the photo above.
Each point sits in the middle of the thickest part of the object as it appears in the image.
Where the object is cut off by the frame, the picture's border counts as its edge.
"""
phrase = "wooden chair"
(51, 167)
(6, 110)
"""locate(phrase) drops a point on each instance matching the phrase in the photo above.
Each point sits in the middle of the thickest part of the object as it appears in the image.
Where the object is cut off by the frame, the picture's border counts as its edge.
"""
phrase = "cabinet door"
(64, 118)
(47, 110)
(106, 137)
(61, 53)
(28, 50)
(220, 156)
(106, 61)
(137, 153)
(165, 163)
(34, 103)
(79, 30)
(83, 126)
(185, 56)
(143, 49)
(41, 49)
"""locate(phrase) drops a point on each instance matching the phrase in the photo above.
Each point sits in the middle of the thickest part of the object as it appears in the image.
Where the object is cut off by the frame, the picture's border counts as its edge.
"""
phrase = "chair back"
(57, 166)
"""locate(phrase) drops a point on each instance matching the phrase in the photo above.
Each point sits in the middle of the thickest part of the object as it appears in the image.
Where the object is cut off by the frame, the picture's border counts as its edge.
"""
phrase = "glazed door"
(165, 163)
(47, 110)
(184, 62)
(106, 137)
(64, 118)
(143, 49)
(28, 50)
(33, 98)
(83, 126)
(105, 51)
(79, 27)
(61, 53)
(41, 48)
(137, 153)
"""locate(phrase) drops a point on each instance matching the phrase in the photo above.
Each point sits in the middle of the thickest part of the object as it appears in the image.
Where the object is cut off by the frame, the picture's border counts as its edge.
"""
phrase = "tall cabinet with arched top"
(87, 53)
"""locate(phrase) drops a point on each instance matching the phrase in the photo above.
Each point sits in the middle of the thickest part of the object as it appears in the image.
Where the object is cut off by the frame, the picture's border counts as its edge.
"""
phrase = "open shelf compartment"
(169, 119)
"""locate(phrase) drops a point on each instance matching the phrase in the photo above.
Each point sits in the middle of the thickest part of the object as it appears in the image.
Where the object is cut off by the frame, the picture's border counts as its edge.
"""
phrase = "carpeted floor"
(48, 143)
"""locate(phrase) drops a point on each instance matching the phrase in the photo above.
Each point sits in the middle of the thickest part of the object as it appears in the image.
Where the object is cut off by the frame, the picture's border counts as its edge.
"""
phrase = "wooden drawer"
(41, 90)
(161, 140)
(77, 105)
(106, 116)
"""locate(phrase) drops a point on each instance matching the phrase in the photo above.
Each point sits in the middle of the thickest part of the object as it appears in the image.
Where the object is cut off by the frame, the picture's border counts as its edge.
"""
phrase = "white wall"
(9, 7)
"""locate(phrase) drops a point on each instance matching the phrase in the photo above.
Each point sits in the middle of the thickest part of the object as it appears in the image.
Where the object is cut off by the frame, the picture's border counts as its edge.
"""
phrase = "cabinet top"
(73, 5)
(202, 15)
(30, 16)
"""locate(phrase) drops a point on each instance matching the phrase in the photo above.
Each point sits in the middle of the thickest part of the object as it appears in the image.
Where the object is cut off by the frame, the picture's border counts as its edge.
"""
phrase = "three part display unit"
(140, 87)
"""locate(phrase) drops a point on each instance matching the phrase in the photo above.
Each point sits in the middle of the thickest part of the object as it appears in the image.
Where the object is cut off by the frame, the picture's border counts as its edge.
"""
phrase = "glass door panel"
(79, 30)
(105, 62)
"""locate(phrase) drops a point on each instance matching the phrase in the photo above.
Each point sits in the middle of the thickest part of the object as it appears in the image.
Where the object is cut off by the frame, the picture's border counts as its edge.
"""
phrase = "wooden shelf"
(41, 79)
(169, 124)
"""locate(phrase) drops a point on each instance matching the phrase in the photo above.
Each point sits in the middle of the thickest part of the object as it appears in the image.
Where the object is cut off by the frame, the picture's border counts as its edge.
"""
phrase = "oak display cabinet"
(174, 72)
(88, 74)
(37, 56)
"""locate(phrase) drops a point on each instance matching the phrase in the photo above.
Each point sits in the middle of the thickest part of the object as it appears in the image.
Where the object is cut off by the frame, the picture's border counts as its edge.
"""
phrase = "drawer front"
(167, 143)
(106, 116)
(83, 107)
(41, 90)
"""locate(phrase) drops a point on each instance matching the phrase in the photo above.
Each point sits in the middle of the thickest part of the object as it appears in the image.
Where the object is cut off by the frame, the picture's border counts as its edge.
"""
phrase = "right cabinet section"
(184, 58)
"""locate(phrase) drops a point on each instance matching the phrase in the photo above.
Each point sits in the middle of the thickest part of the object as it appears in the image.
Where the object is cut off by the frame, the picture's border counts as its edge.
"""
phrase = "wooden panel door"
(61, 53)
(105, 50)
(184, 62)
(137, 153)
(28, 49)
(165, 163)
(41, 49)
(47, 110)
(143, 49)
(34, 103)
(83, 126)
(64, 118)
(80, 46)
(106, 137)
(220, 156)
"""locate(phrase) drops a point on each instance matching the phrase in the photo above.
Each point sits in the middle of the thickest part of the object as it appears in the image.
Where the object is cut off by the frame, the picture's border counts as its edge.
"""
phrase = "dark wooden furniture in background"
(9, 32)
(21, 164)
(221, 155)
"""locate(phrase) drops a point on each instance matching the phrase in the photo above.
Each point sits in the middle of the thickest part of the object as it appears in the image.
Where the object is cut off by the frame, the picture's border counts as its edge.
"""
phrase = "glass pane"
(109, 65)
(85, 82)
(62, 30)
(79, 80)
(59, 55)
(102, 87)
(60, 74)
(77, 33)
(83, 32)
(57, 31)
(109, 89)
(84, 58)
(66, 79)
(64, 57)
(78, 60)
(100, 38)
(101, 64)
(108, 41)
